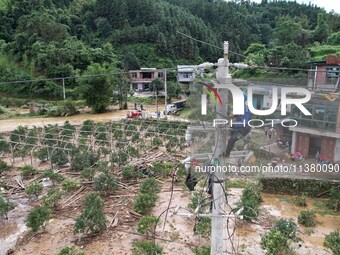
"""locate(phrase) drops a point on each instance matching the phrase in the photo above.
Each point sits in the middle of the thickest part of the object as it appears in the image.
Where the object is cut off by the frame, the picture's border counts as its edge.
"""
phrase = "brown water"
(10, 124)
(325, 225)
(59, 232)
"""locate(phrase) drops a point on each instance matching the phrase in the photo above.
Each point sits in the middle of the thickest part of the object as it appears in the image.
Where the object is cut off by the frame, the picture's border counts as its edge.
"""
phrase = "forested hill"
(245, 23)
(60, 38)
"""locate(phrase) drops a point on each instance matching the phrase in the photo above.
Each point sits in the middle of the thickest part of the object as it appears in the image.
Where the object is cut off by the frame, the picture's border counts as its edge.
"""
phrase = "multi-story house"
(325, 74)
(186, 74)
(319, 133)
(141, 79)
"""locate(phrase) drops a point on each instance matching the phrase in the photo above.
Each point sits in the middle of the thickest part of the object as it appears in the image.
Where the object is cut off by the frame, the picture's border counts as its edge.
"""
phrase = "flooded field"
(177, 237)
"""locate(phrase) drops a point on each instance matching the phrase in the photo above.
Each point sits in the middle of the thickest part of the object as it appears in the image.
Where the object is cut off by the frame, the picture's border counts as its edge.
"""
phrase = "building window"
(324, 115)
(147, 75)
(160, 75)
(133, 75)
(186, 76)
(332, 74)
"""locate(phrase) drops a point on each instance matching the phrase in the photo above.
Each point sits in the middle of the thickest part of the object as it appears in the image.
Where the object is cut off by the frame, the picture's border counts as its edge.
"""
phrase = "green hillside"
(54, 38)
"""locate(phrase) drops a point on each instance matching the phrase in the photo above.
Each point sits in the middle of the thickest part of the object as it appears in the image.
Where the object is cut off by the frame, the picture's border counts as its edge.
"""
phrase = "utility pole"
(218, 215)
(155, 91)
(218, 233)
(64, 92)
(166, 93)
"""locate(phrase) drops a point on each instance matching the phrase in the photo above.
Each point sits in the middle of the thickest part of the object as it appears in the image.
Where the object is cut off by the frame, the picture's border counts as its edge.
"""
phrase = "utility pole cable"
(218, 232)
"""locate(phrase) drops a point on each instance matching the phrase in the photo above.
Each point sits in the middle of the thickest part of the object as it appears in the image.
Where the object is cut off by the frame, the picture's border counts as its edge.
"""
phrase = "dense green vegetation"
(50, 38)
(277, 240)
(332, 242)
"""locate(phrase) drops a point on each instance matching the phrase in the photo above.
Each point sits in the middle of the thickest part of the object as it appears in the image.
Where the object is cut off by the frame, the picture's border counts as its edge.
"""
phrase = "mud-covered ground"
(178, 236)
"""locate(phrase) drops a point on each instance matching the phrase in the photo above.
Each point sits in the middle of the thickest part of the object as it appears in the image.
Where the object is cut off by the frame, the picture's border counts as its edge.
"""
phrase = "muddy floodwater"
(275, 207)
(178, 230)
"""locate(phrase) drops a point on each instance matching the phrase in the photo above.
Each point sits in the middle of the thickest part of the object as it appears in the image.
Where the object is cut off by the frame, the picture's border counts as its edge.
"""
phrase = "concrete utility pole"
(218, 215)
(218, 233)
(64, 92)
(166, 93)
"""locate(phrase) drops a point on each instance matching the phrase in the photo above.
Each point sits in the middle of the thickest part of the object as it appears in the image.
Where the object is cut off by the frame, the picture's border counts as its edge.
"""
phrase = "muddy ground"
(178, 230)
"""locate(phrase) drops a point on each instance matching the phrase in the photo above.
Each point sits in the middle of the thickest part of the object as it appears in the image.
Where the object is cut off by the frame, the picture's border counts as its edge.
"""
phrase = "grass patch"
(322, 208)
(185, 113)
(239, 183)
(321, 52)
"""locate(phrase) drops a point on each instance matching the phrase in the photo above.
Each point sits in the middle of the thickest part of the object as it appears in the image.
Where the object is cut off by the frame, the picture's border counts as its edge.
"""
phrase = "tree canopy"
(50, 38)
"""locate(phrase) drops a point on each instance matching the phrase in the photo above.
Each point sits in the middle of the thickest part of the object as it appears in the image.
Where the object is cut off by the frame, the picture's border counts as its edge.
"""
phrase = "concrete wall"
(321, 76)
(337, 151)
(181, 78)
(338, 121)
(293, 143)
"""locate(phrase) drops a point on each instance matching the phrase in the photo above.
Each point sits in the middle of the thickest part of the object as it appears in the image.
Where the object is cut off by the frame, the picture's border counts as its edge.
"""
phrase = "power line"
(212, 45)
(64, 78)
(260, 67)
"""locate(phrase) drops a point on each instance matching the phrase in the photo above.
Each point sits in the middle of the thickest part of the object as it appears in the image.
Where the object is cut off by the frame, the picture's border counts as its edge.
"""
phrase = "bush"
(81, 160)
(37, 217)
(88, 173)
(250, 200)
(69, 185)
(132, 151)
(334, 39)
(41, 154)
(300, 200)
(59, 157)
(67, 108)
(3, 166)
(105, 184)
(51, 199)
(4, 146)
(334, 201)
(70, 251)
(144, 202)
(135, 137)
(157, 142)
(34, 189)
(150, 186)
(145, 248)
(203, 227)
(332, 242)
(311, 188)
(92, 220)
(202, 251)
(120, 157)
(146, 225)
(307, 218)
(129, 172)
(27, 170)
(286, 227)
(5, 207)
(2, 110)
(163, 168)
(275, 243)
(53, 176)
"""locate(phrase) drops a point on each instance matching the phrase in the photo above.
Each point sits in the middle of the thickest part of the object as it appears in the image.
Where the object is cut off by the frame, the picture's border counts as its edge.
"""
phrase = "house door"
(302, 144)
(327, 149)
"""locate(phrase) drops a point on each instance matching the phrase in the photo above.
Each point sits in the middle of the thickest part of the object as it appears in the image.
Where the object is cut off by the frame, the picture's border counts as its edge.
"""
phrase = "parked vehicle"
(132, 114)
(170, 109)
(174, 107)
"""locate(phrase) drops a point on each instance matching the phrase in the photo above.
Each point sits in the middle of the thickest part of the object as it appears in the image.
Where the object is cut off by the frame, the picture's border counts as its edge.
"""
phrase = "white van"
(170, 109)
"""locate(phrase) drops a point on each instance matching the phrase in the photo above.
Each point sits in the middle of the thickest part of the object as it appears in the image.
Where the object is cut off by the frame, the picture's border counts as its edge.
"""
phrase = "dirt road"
(11, 124)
